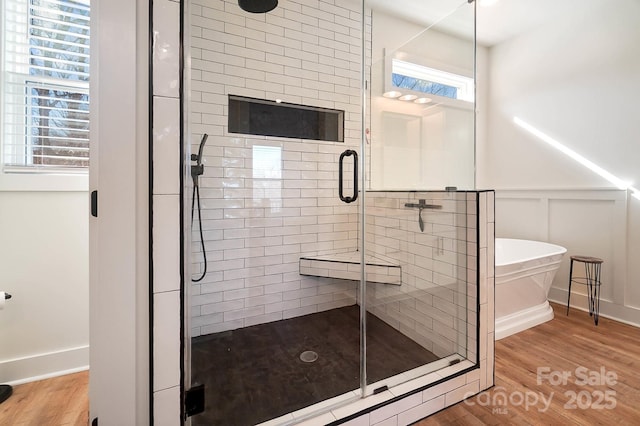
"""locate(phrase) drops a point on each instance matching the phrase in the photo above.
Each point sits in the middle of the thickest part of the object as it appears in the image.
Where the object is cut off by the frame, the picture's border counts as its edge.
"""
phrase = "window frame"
(34, 178)
(453, 73)
(462, 83)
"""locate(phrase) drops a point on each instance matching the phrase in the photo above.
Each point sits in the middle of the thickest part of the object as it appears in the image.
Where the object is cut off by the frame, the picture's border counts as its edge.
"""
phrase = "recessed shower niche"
(262, 117)
(313, 308)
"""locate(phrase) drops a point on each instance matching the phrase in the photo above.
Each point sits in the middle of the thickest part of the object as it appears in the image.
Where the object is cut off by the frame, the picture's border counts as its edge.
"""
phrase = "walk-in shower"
(330, 264)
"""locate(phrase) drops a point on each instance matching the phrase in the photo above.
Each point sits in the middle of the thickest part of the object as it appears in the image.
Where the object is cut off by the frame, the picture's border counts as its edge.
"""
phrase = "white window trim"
(59, 182)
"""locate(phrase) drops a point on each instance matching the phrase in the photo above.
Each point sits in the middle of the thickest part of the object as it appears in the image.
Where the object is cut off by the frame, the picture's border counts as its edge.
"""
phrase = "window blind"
(46, 85)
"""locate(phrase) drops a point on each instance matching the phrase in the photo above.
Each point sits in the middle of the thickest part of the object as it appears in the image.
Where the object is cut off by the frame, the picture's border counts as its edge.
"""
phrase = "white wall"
(44, 264)
(576, 80)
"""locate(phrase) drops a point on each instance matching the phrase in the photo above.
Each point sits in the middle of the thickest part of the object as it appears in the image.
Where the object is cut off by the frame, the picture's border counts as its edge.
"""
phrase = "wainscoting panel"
(584, 227)
(588, 222)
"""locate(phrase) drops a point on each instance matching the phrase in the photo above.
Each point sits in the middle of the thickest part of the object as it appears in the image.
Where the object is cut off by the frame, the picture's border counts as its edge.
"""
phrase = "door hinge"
(94, 203)
(194, 401)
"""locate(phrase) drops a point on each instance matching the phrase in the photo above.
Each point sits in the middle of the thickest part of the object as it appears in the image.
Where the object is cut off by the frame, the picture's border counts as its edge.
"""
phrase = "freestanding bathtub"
(524, 273)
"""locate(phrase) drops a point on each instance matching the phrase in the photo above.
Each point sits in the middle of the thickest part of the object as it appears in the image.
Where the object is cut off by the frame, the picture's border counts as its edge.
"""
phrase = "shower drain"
(308, 356)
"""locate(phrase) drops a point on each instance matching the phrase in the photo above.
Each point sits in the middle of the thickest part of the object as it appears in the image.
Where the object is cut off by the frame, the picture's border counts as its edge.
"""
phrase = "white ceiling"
(510, 18)
(504, 20)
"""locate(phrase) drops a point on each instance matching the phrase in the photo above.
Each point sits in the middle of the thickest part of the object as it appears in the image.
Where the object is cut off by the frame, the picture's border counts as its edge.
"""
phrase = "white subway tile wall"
(433, 261)
(429, 302)
(267, 201)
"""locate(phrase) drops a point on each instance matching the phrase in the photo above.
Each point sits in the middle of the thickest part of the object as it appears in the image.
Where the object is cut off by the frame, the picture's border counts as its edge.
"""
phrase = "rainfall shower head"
(258, 6)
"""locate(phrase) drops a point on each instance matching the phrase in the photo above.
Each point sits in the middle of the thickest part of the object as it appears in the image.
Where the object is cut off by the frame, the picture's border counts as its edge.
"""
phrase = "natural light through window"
(267, 162)
(45, 85)
(267, 175)
(418, 78)
(619, 183)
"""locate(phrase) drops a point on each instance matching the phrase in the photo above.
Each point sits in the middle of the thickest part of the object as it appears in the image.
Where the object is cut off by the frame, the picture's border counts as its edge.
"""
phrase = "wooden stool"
(591, 280)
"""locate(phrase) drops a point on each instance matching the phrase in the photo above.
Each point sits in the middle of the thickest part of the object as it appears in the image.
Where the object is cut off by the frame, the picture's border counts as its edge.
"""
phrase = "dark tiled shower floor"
(255, 374)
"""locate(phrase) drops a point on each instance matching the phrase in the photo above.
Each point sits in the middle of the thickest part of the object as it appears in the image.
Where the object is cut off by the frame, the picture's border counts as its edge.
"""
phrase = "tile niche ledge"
(346, 266)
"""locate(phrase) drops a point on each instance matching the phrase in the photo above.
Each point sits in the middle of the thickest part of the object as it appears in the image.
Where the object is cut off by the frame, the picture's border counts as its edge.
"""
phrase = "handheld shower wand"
(198, 168)
(196, 171)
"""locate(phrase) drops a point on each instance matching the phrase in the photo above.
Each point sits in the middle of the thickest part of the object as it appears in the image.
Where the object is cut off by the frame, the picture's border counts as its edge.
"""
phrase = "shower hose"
(196, 196)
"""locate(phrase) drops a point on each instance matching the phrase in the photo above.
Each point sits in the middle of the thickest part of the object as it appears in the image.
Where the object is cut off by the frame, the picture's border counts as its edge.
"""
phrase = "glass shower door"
(419, 147)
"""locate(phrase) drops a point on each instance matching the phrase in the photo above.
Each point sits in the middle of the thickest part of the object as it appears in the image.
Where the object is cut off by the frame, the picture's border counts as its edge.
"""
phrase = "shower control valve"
(197, 170)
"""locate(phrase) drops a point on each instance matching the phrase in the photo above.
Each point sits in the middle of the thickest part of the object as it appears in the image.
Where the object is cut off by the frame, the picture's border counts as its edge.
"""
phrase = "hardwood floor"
(59, 401)
(559, 346)
(606, 357)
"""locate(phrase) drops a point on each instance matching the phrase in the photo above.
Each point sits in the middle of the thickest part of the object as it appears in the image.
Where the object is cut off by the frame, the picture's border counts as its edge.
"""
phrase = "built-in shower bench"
(347, 266)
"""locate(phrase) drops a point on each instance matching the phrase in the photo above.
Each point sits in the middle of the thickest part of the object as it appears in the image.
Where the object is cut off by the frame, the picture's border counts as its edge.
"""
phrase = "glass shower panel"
(275, 323)
(420, 155)
(422, 97)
